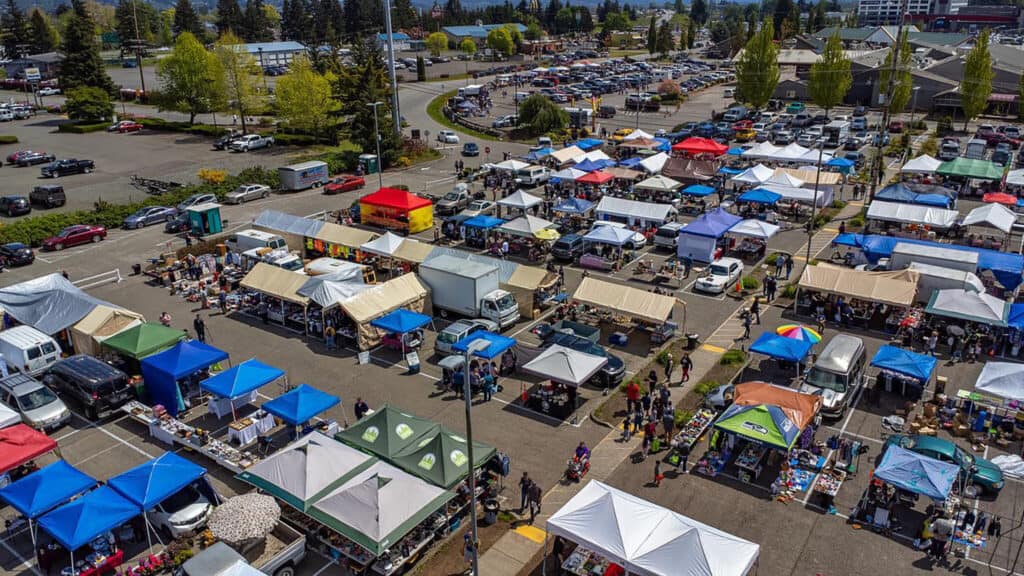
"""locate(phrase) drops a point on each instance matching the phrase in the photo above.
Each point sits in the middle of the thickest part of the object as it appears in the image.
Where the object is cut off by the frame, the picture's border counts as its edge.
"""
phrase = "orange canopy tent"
(798, 407)
(1000, 198)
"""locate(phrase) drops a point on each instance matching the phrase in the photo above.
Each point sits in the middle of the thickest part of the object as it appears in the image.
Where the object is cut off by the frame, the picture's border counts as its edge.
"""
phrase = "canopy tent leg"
(544, 557)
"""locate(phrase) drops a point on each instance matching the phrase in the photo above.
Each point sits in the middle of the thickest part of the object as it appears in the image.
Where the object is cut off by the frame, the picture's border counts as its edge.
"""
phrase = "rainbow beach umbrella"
(798, 332)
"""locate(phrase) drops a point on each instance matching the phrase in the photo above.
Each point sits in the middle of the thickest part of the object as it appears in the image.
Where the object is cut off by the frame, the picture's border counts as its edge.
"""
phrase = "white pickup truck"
(221, 559)
(251, 142)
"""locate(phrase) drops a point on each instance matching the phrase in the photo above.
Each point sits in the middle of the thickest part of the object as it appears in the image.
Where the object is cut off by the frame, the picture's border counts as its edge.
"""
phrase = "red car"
(125, 126)
(743, 125)
(344, 184)
(75, 235)
(13, 157)
(896, 126)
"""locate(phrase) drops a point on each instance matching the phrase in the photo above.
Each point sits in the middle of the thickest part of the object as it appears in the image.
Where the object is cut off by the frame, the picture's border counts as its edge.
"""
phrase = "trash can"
(136, 269)
(692, 340)
(491, 508)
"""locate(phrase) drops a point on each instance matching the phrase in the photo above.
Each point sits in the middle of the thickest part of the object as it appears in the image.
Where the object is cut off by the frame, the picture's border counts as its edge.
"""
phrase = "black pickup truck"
(65, 167)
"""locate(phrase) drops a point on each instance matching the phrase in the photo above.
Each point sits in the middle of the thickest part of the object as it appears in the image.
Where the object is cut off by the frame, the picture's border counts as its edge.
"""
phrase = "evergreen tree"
(255, 25)
(186, 19)
(819, 16)
(757, 71)
(294, 22)
(17, 39)
(976, 86)
(82, 65)
(783, 11)
(43, 35)
(229, 16)
(357, 86)
(586, 19)
(684, 30)
(680, 8)
(551, 14)
(691, 33)
(405, 15)
(699, 11)
(665, 42)
(652, 37)
(353, 15)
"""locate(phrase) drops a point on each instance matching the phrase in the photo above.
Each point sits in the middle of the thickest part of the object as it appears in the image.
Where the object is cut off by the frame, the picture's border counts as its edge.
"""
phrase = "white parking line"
(24, 562)
(849, 414)
(114, 436)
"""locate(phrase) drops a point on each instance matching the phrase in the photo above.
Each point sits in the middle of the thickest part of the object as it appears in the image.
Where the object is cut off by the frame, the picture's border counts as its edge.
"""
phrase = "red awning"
(1000, 198)
(395, 198)
(598, 177)
(19, 444)
(696, 145)
(1002, 97)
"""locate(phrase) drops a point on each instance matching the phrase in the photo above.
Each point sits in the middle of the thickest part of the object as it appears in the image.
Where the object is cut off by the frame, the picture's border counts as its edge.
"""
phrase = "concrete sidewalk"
(517, 548)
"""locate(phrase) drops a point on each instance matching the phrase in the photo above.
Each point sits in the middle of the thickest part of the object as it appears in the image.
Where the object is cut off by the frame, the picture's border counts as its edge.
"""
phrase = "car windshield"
(719, 270)
(292, 265)
(447, 337)
(451, 196)
(66, 232)
(826, 380)
(37, 398)
(141, 213)
(180, 500)
(506, 302)
(962, 458)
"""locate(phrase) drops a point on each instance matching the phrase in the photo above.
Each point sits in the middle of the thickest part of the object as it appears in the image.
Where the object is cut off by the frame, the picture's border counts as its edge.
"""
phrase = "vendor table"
(392, 564)
(595, 262)
(245, 431)
(694, 428)
(107, 566)
(222, 407)
(749, 460)
(583, 562)
(829, 482)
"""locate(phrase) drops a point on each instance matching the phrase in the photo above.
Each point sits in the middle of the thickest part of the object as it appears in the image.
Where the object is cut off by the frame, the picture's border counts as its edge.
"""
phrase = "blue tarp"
(917, 473)
(43, 489)
(300, 404)
(781, 348)
(714, 224)
(840, 163)
(242, 379)
(574, 206)
(664, 144)
(919, 366)
(902, 193)
(593, 165)
(483, 221)
(588, 144)
(1016, 319)
(735, 151)
(162, 371)
(1006, 267)
(77, 523)
(630, 162)
(497, 344)
(157, 480)
(539, 154)
(698, 190)
(401, 321)
(730, 171)
(760, 196)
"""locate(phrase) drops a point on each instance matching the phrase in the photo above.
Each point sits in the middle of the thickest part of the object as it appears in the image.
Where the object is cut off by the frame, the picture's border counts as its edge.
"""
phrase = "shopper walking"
(684, 456)
(669, 364)
(770, 285)
(755, 309)
(746, 327)
(525, 483)
(780, 261)
(199, 325)
(658, 476)
(361, 408)
(933, 341)
(668, 421)
(535, 497)
(686, 364)
(789, 266)
(632, 396)
(165, 319)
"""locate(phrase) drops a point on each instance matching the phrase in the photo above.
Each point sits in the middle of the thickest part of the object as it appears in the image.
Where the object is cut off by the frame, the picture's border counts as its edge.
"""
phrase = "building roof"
(46, 57)
(938, 38)
(272, 47)
(1006, 56)
(846, 34)
(397, 36)
(479, 31)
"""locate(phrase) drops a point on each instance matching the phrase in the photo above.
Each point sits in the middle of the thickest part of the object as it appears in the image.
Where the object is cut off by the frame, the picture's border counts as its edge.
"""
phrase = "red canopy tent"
(395, 198)
(1000, 198)
(598, 177)
(397, 210)
(695, 145)
(19, 444)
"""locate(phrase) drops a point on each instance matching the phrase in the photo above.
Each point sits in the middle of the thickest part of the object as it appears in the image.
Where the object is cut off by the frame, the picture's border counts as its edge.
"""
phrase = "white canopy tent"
(634, 212)
(923, 164)
(569, 174)
(654, 164)
(511, 165)
(612, 235)
(793, 152)
(520, 200)
(754, 175)
(526, 226)
(968, 305)
(992, 215)
(565, 365)
(594, 156)
(812, 157)
(1015, 177)
(385, 245)
(637, 134)
(1003, 379)
(659, 184)
(912, 214)
(647, 539)
(802, 195)
(754, 229)
(781, 178)
(765, 150)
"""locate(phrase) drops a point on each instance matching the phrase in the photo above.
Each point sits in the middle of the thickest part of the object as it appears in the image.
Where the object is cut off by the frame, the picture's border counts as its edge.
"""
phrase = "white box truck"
(932, 278)
(303, 176)
(469, 289)
(905, 253)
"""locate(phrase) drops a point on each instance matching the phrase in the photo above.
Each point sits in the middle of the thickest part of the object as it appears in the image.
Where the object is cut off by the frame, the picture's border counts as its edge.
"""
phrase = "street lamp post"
(376, 136)
(473, 347)
(263, 68)
(913, 107)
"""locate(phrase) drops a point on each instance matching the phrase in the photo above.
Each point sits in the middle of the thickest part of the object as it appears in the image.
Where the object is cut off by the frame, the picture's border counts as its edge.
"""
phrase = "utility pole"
(396, 115)
(877, 166)
(138, 47)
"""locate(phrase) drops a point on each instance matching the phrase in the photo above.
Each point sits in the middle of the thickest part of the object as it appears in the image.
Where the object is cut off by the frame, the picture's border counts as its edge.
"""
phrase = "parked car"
(251, 142)
(97, 386)
(14, 205)
(38, 406)
(782, 138)
(459, 330)
(896, 126)
(856, 157)
(247, 192)
(479, 208)
(16, 254)
(74, 236)
(860, 111)
(225, 141)
(50, 91)
(721, 274)
(178, 224)
(30, 158)
(447, 137)
(66, 167)
(610, 374)
(620, 134)
(125, 126)
(795, 107)
(470, 149)
(344, 183)
(195, 200)
(568, 247)
(983, 473)
(508, 121)
(149, 215)
(183, 514)
(720, 398)
(48, 196)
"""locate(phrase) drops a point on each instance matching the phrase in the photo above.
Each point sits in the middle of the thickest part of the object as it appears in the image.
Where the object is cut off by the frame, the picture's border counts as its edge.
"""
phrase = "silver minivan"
(837, 374)
(38, 406)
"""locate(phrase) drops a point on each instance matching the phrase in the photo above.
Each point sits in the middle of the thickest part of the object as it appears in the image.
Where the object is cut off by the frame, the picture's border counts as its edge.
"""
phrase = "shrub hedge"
(32, 230)
(169, 126)
(8, 139)
(82, 127)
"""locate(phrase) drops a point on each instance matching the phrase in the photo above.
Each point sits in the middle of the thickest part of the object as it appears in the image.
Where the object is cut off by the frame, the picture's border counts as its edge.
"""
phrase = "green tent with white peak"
(386, 432)
(144, 340)
(442, 458)
(762, 423)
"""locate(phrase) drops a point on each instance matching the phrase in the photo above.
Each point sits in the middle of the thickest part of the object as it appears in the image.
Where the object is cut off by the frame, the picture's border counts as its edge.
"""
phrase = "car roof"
(15, 245)
(923, 442)
(728, 261)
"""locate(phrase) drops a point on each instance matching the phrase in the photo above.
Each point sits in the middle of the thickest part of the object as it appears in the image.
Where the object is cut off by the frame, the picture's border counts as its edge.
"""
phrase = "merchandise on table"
(694, 427)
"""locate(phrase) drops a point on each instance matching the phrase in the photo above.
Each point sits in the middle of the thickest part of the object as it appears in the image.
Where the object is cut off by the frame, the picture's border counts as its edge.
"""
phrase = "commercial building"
(274, 53)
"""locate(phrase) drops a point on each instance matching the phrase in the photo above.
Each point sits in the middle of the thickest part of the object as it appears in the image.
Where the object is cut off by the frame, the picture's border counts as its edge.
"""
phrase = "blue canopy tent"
(917, 473)
(149, 484)
(730, 171)
(630, 162)
(737, 151)
(588, 144)
(698, 190)
(760, 196)
(77, 523)
(301, 404)
(483, 221)
(593, 165)
(162, 371)
(699, 239)
(240, 382)
(540, 154)
(902, 193)
(918, 367)
(574, 206)
(782, 348)
(1016, 318)
(664, 144)
(402, 322)
(42, 490)
(496, 345)
(845, 166)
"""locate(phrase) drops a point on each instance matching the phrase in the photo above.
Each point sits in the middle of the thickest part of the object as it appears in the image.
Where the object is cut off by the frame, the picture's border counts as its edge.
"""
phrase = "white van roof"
(257, 234)
(24, 336)
(304, 165)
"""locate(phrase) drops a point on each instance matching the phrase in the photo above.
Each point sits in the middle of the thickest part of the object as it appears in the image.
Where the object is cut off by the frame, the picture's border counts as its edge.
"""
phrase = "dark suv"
(568, 247)
(98, 387)
(14, 205)
(49, 196)
(611, 374)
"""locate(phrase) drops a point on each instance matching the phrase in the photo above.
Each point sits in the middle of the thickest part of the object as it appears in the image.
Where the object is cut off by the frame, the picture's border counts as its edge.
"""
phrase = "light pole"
(396, 115)
(376, 136)
(913, 107)
(263, 68)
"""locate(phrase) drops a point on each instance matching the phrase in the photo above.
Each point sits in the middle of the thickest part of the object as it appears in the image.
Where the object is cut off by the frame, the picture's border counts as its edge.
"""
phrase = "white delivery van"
(28, 350)
(532, 176)
(246, 240)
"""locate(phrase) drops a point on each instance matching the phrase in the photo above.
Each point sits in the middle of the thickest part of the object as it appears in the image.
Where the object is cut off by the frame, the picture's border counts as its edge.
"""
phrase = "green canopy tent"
(971, 168)
(386, 432)
(144, 340)
(762, 423)
(441, 458)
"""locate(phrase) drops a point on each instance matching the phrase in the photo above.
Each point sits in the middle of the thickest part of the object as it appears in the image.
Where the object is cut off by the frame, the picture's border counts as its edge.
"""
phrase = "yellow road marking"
(835, 230)
(531, 533)
(713, 348)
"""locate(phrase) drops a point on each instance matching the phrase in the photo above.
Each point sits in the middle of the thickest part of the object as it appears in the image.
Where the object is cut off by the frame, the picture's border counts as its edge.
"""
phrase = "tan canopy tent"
(344, 235)
(808, 175)
(624, 173)
(413, 251)
(524, 282)
(566, 155)
(632, 302)
(276, 282)
(895, 288)
(100, 324)
(406, 291)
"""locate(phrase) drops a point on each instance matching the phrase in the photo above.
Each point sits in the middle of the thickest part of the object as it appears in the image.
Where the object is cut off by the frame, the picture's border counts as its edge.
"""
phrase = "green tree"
(691, 34)
(500, 41)
(665, 41)
(617, 22)
(358, 86)
(229, 16)
(256, 26)
(295, 20)
(437, 42)
(565, 22)
(167, 27)
(421, 69)
(652, 37)
(186, 19)
(541, 115)
(240, 83)
(14, 28)
(192, 79)
(976, 86)
(684, 31)
(782, 17)
(137, 20)
(82, 64)
(831, 77)
(305, 99)
(88, 104)
(899, 75)
(699, 11)
(757, 70)
(405, 15)
(534, 31)
(467, 47)
(44, 35)
(679, 7)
